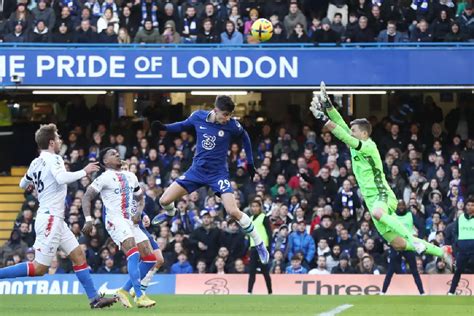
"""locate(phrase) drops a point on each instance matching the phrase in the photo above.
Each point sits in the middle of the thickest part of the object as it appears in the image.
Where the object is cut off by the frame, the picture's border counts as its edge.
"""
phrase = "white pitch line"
(336, 310)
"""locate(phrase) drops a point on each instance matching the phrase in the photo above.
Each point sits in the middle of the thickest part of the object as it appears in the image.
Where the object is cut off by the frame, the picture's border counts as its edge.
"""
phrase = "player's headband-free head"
(224, 103)
(102, 154)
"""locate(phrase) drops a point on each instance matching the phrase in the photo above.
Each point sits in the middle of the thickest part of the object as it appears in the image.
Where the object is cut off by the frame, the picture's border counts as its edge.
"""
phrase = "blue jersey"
(213, 140)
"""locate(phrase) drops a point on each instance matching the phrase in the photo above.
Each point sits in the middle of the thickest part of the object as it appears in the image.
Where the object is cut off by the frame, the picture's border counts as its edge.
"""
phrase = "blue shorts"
(197, 177)
(153, 243)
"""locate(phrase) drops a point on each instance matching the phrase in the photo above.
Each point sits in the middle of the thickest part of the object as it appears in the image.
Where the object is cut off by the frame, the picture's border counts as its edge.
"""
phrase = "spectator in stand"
(18, 35)
(208, 35)
(421, 33)
(94, 7)
(107, 18)
(236, 18)
(295, 267)
(129, 19)
(301, 241)
(108, 35)
(337, 25)
(205, 239)
(231, 36)
(455, 34)
(190, 26)
(294, 17)
(85, 15)
(149, 11)
(362, 33)
(361, 7)
(376, 22)
(466, 21)
(182, 266)
(169, 14)
(123, 38)
(339, 6)
(148, 34)
(23, 15)
(108, 267)
(321, 268)
(253, 16)
(391, 35)
(344, 266)
(298, 35)
(65, 17)
(326, 34)
(43, 12)
(86, 34)
(441, 26)
(40, 34)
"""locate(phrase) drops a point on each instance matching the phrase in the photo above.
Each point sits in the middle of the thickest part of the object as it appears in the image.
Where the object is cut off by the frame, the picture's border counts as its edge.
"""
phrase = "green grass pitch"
(251, 305)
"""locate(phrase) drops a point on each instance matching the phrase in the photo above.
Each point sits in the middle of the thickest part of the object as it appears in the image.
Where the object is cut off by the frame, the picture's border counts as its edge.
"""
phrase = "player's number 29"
(223, 184)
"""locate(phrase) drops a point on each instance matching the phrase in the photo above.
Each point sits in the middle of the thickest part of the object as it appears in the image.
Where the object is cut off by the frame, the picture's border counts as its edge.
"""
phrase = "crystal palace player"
(368, 170)
(48, 174)
(214, 130)
(123, 204)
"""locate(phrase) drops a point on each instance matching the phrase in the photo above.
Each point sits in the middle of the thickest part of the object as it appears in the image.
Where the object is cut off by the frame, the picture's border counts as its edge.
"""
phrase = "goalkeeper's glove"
(318, 112)
(157, 126)
(324, 97)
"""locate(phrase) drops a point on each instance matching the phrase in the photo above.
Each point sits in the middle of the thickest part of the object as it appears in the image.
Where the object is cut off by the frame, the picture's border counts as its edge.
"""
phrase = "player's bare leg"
(81, 268)
(171, 194)
(130, 248)
(228, 199)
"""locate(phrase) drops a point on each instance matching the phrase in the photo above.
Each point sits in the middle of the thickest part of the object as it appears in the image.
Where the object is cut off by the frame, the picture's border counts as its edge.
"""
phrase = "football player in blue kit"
(214, 131)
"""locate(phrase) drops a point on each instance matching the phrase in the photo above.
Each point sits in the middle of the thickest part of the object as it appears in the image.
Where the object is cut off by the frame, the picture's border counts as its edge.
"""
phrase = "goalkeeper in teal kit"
(368, 170)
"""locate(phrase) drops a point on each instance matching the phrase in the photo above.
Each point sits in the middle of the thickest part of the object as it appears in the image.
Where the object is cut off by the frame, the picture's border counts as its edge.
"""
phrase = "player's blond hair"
(45, 134)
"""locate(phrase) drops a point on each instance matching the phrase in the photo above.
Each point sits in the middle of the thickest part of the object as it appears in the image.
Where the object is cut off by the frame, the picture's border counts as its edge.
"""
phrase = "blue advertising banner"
(227, 67)
(68, 284)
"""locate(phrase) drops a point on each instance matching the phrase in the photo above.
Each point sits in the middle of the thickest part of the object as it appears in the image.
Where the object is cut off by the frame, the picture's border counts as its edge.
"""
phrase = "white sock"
(146, 280)
(169, 209)
(248, 228)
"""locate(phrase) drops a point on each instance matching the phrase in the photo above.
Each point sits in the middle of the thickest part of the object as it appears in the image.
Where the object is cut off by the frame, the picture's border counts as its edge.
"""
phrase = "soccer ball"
(262, 30)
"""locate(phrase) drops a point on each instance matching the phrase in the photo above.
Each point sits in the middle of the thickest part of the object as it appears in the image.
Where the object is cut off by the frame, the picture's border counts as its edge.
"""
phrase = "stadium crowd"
(230, 21)
(318, 223)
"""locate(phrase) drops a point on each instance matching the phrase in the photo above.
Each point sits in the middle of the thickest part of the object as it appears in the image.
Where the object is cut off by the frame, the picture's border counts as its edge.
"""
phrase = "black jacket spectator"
(207, 34)
(455, 34)
(63, 35)
(234, 241)
(326, 34)
(108, 35)
(17, 36)
(210, 239)
(130, 19)
(421, 33)
(40, 34)
(441, 27)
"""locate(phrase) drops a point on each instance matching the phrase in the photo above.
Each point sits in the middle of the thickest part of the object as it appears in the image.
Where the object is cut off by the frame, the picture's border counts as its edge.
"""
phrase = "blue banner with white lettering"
(226, 67)
(69, 284)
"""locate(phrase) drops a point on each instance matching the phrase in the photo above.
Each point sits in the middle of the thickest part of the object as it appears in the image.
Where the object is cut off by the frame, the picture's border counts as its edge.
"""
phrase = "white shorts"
(52, 233)
(120, 229)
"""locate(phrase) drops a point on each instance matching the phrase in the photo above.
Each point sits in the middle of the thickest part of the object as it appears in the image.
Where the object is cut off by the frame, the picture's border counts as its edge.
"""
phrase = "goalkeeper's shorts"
(388, 203)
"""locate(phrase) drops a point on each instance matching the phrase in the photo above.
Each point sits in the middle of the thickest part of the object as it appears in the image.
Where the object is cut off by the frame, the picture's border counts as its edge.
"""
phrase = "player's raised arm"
(186, 125)
(64, 177)
(248, 152)
(326, 104)
(90, 195)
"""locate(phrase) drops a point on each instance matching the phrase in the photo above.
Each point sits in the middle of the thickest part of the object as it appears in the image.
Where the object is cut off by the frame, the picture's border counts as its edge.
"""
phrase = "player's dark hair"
(224, 103)
(45, 134)
(363, 124)
(102, 154)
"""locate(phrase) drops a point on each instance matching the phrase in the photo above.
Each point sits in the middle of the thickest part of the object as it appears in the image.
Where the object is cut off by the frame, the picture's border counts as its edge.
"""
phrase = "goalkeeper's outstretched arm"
(336, 117)
(343, 135)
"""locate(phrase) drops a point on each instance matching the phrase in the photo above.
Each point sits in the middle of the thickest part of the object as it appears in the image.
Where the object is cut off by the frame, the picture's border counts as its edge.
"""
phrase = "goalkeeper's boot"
(263, 253)
(102, 302)
(144, 301)
(448, 256)
(122, 296)
(162, 217)
(324, 97)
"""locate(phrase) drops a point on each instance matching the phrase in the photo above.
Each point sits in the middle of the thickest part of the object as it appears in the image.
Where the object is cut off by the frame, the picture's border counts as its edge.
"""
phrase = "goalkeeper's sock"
(145, 265)
(18, 270)
(248, 228)
(431, 249)
(170, 209)
(133, 260)
(83, 274)
(397, 227)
